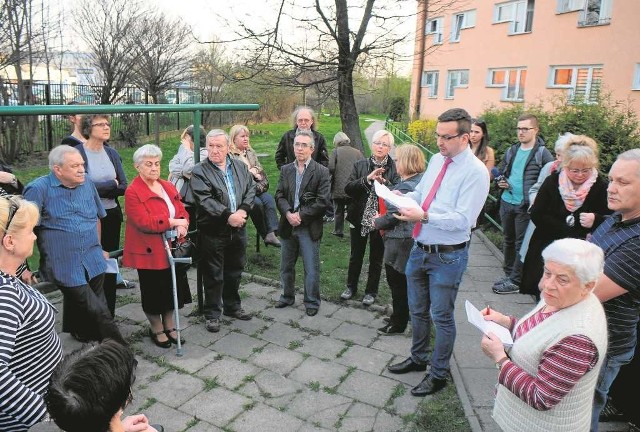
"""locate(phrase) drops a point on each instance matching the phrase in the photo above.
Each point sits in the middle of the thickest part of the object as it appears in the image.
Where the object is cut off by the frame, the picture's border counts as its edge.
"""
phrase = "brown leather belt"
(440, 248)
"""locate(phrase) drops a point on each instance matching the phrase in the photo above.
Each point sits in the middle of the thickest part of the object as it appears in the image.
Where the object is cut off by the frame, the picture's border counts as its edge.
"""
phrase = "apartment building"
(478, 53)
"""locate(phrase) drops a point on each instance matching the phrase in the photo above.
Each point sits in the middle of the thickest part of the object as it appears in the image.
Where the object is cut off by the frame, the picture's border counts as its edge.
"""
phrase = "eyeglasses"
(13, 208)
(301, 144)
(580, 171)
(524, 129)
(447, 138)
(101, 124)
(382, 144)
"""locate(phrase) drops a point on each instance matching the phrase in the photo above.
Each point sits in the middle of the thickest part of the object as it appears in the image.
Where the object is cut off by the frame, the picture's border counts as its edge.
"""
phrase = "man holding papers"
(450, 196)
(547, 380)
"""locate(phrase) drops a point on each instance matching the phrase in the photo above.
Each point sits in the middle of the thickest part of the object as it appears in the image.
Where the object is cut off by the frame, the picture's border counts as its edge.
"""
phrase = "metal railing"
(401, 135)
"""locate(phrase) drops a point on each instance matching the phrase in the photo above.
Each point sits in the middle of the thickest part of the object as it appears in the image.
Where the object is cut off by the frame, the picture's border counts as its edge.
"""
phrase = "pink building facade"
(488, 52)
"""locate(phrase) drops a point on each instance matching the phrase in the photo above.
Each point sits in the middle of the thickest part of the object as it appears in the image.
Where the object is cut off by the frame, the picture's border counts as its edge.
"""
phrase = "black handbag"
(186, 193)
(183, 248)
(263, 185)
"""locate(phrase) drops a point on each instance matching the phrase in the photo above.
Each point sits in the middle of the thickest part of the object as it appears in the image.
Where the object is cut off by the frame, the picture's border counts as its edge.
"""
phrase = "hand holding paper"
(475, 317)
(396, 200)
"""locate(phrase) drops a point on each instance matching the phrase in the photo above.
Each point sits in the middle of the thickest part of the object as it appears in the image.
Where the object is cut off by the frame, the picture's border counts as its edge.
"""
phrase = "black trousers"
(222, 260)
(398, 285)
(86, 313)
(376, 252)
(110, 227)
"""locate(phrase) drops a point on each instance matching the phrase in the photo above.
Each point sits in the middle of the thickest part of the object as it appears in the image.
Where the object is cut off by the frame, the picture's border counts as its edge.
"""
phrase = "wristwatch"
(501, 362)
(425, 219)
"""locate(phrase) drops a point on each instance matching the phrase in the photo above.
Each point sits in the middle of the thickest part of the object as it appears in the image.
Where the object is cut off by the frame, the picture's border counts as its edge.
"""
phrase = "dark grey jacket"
(212, 197)
(538, 158)
(393, 227)
(340, 166)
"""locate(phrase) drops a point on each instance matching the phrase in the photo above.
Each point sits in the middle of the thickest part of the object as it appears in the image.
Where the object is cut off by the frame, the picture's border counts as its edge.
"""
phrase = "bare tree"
(107, 27)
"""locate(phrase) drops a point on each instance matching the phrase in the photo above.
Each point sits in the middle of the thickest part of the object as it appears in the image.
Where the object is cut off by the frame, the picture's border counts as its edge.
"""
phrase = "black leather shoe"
(239, 314)
(407, 366)
(282, 304)
(428, 385)
(312, 312)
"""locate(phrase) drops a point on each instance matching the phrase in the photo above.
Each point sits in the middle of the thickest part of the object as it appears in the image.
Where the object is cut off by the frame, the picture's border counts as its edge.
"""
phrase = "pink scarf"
(574, 198)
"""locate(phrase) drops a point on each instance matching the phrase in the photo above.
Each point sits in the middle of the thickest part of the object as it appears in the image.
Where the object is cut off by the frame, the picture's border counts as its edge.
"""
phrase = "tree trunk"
(348, 111)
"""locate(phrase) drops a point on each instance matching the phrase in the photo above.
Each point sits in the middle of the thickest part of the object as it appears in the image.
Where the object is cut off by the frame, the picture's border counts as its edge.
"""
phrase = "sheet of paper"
(396, 200)
(112, 265)
(475, 317)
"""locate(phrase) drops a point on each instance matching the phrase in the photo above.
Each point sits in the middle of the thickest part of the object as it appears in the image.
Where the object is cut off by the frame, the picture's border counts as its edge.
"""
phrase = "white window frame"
(461, 76)
(430, 80)
(516, 13)
(571, 87)
(438, 33)
(508, 72)
(461, 21)
(604, 14)
(636, 78)
(564, 6)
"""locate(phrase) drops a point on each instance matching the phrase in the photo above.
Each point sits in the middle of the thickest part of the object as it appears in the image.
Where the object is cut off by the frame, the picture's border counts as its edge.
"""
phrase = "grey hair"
(217, 132)
(314, 118)
(307, 133)
(584, 258)
(382, 132)
(562, 141)
(341, 138)
(631, 155)
(58, 153)
(146, 151)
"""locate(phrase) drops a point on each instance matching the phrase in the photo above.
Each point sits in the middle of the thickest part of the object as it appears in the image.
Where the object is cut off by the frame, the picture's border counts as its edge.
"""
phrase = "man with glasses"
(451, 194)
(303, 119)
(302, 196)
(519, 170)
(69, 243)
(224, 190)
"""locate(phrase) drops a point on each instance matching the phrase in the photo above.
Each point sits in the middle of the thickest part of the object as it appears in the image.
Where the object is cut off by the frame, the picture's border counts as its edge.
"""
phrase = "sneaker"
(500, 282)
(368, 300)
(346, 294)
(213, 325)
(507, 288)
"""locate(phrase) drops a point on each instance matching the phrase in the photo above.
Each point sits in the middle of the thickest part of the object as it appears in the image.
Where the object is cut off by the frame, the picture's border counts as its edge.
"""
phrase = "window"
(636, 78)
(569, 5)
(512, 81)
(434, 27)
(456, 79)
(518, 13)
(583, 82)
(430, 80)
(595, 12)
(462, 21)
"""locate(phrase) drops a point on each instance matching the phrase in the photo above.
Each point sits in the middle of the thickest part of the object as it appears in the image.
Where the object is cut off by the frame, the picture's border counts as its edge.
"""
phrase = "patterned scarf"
(574, 198)
(371, 207)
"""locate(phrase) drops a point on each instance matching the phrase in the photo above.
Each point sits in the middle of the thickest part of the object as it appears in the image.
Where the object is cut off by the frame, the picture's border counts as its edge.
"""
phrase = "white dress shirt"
(458, 202)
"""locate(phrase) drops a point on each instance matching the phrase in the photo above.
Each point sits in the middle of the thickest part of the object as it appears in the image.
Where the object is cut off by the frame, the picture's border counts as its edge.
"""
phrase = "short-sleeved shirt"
(102, 170)
(620, 242)
(515, 195)
(70, 251)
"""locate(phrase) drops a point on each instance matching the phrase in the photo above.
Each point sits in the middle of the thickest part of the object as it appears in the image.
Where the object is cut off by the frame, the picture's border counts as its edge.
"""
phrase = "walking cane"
(168, 237)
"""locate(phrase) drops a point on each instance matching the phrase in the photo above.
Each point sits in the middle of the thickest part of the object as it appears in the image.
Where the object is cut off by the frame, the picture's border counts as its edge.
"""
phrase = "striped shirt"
(29, 351)
(561, 367)
(620, 242)
(70, 251)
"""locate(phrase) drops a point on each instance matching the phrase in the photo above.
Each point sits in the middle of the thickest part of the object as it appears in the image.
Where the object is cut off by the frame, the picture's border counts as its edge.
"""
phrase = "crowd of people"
(571, 239)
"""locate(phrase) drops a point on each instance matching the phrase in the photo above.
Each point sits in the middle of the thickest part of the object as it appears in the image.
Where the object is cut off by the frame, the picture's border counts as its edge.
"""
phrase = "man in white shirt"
(441, 249)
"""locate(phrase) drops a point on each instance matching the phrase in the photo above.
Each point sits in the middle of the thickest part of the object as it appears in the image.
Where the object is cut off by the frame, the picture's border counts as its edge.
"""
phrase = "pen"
(488, 310)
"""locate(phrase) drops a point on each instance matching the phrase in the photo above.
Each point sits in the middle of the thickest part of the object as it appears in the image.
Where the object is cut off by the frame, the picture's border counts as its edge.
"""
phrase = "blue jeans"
(432, 286)
(610, 368)
(300, 244)
(514, 219)
(263, 214)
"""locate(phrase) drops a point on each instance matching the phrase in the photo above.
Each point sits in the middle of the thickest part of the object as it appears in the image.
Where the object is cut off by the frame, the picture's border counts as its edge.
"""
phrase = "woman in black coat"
(570, 203)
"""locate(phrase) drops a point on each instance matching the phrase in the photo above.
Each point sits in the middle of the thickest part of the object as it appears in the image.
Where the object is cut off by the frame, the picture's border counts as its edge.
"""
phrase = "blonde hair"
(580, 148)
(233, 133)
(26, 215)
(409, 159)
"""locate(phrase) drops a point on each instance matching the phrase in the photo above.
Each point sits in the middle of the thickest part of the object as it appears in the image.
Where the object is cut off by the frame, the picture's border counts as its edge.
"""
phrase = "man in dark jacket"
(302, 196)
(224, 191)
(303, 119)
(519, 168)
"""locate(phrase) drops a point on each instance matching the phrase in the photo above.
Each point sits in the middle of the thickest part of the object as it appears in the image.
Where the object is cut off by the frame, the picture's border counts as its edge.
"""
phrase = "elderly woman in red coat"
(153, 206)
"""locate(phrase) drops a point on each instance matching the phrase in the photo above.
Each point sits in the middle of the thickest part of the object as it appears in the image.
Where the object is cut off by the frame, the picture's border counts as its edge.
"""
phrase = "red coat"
(147, 219)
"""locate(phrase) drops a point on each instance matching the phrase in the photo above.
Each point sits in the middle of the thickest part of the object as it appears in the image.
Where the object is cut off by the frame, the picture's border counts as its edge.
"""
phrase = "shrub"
(422, 131)
(397, 108)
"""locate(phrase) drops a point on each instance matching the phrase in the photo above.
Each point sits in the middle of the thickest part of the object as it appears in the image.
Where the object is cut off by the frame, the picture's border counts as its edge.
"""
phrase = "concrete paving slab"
(255, 290)
(255, 304)
(355, 315)
(359, 386)
(238, 345)
(366, 359)
(405, 404)
(203, 426)
(319, 324)
(229, 372)
(277, 359)
(252, 327)
(313, 370)
(359, 417)
(265, 419)
(283, 335)
(133, 312)
(217, 406)
(270, 385)
(284, 315)
(319, 408)
(193, 359)
(355, 333)
(170, 418)
(399, 345)
(173, 388)
(322, 347)
(385, 422)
